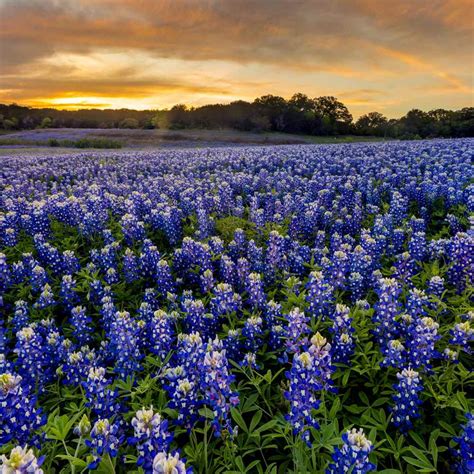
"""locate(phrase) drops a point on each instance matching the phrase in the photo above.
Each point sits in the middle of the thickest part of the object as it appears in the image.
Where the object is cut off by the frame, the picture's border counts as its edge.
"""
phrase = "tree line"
(300, 114)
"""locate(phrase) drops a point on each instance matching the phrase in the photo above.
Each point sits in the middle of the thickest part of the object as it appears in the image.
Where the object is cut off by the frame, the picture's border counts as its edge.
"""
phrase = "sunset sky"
(384, 55)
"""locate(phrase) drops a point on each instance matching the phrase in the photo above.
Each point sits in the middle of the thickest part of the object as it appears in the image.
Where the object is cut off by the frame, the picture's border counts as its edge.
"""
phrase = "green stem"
(76, 452)
(205, 445)
(111, 463)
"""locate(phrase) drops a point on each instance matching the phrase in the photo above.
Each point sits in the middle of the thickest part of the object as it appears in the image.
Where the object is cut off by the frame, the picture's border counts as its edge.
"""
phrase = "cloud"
(234, 48)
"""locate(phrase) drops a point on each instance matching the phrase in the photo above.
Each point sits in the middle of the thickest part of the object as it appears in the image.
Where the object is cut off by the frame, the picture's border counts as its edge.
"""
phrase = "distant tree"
(178, 117)
(415, 124)
(272, 107)
(10, 123)
(47, 122)
(373, 123)
(300, 116)
(335, 116)
(129, 123)
(160, 120)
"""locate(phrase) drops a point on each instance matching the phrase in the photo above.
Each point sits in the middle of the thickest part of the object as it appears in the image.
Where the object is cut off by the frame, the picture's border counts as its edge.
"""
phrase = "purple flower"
(406, 399)
(151, 436)
(21, 461)
(465, 451)
(105, 439)
(170, 464)
(353, 456)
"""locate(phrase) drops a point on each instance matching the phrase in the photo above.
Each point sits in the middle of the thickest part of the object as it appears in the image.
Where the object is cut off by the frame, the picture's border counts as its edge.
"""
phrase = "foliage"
(320, 116)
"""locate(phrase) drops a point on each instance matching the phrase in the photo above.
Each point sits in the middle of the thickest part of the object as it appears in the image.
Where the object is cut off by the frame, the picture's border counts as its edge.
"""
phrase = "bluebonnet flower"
(417, 301)
(252, 333)
(130, 266)
(461, 335)
(46, 298)
(39, 278)
(197, 320)
(417, 246)
(20, 317)
(354, 454)
(170, 464)
(205, 222)
(81, 323)
(250, 360)
(67, 294)
(398, 207)
(133, 229)
(183, 378)
(111, 276)
(227, 270)
(394, 354)
(96, 291)
(296, 330)
(342, 343)
(275, 258)
(386, 310)
(225, 301)
(32, 361)
(320, 295)
(77, 365)
(339, 267)
(17, 275)
(232, 344)
(102, 399)
(406, 399)
(272, 314)
(404, 268)
(421, 338)
(216, 381)
(356, 284)
(18, 412)
(465, 451)
(10, 237)
(123, 344)
(435, 286)
(454, 224)
(460, 255)
(207, 281)
(307, 377)
(105, 439)
(70, 262)
(164, 280)
(148, 259)
(256, 294)
(21, 461)
(255, 256)
(151, 436)
(161, 334)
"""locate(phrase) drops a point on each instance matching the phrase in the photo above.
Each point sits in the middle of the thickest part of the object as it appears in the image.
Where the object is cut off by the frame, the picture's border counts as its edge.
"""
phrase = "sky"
(384, 55)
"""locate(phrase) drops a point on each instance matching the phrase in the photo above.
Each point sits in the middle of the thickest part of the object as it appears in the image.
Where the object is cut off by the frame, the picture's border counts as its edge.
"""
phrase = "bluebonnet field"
(281, 309)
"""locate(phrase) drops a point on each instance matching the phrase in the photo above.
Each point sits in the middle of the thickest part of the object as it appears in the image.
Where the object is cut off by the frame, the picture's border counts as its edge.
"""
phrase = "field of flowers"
(288, 309)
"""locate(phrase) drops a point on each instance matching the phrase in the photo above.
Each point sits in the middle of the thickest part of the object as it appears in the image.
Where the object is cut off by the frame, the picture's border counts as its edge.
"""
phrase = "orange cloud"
(213, 51)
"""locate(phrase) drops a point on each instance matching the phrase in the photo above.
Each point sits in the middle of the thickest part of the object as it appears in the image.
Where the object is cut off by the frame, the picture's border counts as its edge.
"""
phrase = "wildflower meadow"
(286, 309)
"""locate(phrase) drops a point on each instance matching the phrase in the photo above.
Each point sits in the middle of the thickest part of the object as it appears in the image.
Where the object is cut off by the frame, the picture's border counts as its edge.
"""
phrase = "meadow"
(280, 309)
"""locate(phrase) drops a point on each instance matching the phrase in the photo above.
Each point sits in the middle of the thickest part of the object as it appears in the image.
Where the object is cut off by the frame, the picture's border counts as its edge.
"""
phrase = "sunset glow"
(373, 55)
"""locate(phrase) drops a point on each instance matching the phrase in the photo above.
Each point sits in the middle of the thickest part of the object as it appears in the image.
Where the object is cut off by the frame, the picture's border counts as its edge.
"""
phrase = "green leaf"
(418, 463)
(255, 420)
(238, 419)
(417, 439)
(80, 463)
(335, 408)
